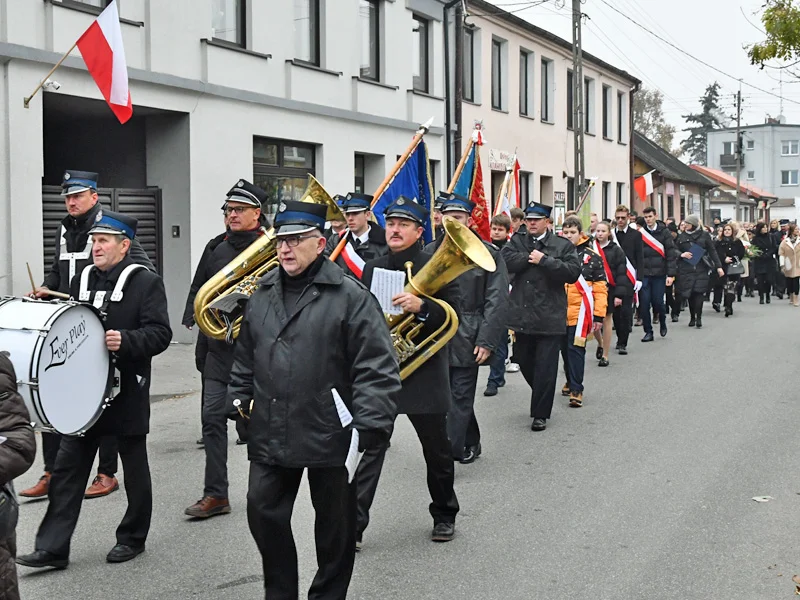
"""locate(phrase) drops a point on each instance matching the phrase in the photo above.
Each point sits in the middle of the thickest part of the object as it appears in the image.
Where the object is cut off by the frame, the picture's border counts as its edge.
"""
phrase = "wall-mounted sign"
(499, 159)
(559, 209)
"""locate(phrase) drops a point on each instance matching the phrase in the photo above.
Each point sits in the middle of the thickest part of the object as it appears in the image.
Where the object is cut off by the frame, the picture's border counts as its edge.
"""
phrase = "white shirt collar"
(363, 237)
(541, 237)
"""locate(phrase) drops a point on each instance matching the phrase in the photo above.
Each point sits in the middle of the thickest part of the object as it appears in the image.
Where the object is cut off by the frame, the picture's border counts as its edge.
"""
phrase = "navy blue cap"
(354, 202)
(440, 199)
(339, 199)
(78, 181)
(114, 223)
(405, 208)
(246, 193)
(457, 202)
(295, 217)
(537, 211)
(784, 221)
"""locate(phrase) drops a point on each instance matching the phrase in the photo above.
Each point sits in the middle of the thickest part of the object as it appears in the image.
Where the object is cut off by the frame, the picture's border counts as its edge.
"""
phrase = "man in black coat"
(657, 272)
(542, 263)
(483, 300)
(630, 240)
(137, 328)
(244, 226)
(365, 240)
(425, 396)
(73, 252)
(315, 357)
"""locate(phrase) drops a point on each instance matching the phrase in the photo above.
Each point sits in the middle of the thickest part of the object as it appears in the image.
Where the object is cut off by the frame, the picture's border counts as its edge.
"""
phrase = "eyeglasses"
(236, 209)
(292, 241)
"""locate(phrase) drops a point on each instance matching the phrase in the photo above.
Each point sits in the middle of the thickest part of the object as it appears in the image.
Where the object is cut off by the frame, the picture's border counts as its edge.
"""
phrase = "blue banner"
(466, 178)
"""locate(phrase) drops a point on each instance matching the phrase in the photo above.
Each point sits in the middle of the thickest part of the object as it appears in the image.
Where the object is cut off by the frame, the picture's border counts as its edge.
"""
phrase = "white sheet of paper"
(386, 285)
(344, 415)
(3, 440)
(353, 457)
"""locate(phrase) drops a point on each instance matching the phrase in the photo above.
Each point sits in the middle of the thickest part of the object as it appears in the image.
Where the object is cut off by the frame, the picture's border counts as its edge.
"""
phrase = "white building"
(517, 80)
(267, 90)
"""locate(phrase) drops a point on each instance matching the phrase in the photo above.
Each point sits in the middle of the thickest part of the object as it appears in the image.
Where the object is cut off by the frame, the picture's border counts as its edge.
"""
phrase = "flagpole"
(460, 166)
(503, 192)
(46, 77)
(387, 181)
(585, 195)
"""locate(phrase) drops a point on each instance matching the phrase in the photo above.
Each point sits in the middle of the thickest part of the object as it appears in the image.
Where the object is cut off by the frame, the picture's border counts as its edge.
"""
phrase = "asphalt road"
(645, 492)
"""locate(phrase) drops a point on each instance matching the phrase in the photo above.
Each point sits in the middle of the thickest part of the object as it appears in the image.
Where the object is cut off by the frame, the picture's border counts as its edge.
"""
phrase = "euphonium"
(460, 251)
(218, 304)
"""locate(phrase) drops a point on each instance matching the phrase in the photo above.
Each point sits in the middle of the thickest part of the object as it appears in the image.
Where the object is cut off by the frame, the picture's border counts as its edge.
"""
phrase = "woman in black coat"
(764, 267)
(730, 250)
(693, 280)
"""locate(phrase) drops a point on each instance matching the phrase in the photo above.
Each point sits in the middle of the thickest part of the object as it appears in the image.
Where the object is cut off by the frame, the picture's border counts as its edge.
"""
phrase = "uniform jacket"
(622, 288)
(374, 247)
(631, 243)
(77, 238)
(427, 390)
(790, 251)
(141, 316)
(653, 264)
(765, 263)
(595, 275)
(290, 359)
(695, 279)
(483, 301)
(732, 248)
(538, 303)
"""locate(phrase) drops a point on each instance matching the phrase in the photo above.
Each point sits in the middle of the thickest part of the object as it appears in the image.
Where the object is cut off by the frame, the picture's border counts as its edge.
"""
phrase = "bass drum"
(64, 370)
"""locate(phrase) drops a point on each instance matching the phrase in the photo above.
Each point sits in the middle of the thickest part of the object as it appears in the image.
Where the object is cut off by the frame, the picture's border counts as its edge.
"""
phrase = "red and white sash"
(353, 261)
(628, 266)
(609, 275)
(651, 241)
(586, 312)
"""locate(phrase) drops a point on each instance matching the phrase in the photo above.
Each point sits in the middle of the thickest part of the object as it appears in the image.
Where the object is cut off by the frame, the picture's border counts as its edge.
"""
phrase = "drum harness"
(73, 257)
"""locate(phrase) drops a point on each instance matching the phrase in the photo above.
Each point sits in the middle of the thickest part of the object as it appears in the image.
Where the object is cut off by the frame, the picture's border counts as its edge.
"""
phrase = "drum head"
(73, 370)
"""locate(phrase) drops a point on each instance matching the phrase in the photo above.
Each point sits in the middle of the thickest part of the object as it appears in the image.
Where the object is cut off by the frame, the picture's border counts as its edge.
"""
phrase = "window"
(607, 112)
(306, 31)
(606, 208)
(621, 194)
(469, 65)
(227, 21)
(789, 177)
(570, 99)
(671, 205)
(370, 40)
(421, 54)
(497, 74)
(588, 105)
(97, 3)
(570, 193)
(621, 119)
(524, 189)
(751, 145)
(281, 168)
(360, 167)
(525, 82)
(548, 83)
(751, 175)
(790, 148)
(729, 147)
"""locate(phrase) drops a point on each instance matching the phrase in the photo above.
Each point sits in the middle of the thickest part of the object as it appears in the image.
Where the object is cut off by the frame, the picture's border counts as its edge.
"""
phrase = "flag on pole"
(413, 181)
(470, 185)
(644, 186)
(104, 55)
(585, 209)
(509, 192)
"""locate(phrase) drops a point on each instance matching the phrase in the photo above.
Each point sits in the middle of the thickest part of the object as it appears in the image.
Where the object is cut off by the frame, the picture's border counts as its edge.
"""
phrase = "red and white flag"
(102, 51)
(509, 192)
(644, 186)
(585, 314)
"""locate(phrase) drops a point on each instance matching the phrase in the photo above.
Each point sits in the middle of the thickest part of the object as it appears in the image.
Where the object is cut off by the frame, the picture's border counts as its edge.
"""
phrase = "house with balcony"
(754, 203)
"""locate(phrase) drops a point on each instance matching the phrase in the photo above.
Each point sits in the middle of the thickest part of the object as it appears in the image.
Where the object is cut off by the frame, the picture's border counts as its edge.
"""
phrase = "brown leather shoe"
(208, 507)
(40, 489)
(102, 485)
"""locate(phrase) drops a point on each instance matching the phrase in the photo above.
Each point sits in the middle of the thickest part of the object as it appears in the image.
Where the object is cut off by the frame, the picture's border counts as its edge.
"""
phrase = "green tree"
(700, 124)
(781, 21)
(648, 117)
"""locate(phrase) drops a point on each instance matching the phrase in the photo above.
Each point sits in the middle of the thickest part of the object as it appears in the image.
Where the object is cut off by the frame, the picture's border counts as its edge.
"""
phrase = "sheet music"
(386, 285)
(353, 456)
(344, 415)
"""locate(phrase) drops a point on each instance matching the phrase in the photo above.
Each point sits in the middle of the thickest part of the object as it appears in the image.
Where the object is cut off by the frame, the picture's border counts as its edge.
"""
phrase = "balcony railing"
(728, 161)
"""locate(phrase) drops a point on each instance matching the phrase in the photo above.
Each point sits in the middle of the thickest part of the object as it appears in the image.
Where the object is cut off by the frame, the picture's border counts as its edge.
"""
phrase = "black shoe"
(692, 322)
(622, 350)
(761, 300)
(779, 295)
(200, 442)
(738, 297)
(539, 425)
(715, 306)
(122, 553)
(663, 330)
(359, 543)
(470, 454)
(699, 323)
(675, 317)
(603, 362)
(491, 390)
(768, 299)
(443, 532)
(648, 337)
(241, 442)
(599, 353)
(41, 558)
(728, 311)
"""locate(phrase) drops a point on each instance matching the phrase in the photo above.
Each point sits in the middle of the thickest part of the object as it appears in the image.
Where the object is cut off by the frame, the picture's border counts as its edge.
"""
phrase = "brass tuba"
(460, 251)
(218, 304)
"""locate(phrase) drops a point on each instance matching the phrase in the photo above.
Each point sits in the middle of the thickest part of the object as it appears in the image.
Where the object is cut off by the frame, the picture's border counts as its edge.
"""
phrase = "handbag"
(736, 267)
(9, 511)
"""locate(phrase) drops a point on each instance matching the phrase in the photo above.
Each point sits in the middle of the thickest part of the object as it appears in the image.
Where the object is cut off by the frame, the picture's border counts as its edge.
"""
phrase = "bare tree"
(648, 118)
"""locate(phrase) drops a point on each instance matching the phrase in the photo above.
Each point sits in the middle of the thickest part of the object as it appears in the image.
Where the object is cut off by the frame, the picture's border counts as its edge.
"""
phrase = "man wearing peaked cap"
(365, 240)
(244, 224)
(425, 395)
(137, 328)
(438, 230)
(337, 226)
(315, 357)
(73, 252)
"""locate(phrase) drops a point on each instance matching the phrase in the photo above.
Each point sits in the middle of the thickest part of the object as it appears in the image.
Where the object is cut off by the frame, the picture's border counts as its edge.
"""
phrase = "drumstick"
(49, 292)
(30, 274)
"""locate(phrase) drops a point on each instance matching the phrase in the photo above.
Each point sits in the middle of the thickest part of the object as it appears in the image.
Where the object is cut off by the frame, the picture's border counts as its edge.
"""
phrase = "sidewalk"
(174, 373)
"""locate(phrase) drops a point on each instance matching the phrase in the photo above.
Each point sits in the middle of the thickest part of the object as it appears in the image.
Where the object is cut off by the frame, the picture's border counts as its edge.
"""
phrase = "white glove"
(637, 286)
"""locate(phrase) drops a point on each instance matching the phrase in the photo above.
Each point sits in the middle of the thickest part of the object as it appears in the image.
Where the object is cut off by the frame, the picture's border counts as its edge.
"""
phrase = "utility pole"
(578, 108)
(738, 148)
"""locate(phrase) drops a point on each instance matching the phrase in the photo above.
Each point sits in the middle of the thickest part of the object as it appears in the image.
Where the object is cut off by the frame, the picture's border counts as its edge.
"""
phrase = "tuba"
(219, 303)
(460, 251)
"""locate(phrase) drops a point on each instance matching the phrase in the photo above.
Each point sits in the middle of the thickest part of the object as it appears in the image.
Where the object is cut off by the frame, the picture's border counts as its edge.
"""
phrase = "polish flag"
(102, 51)
(644, 185)
(509, 192)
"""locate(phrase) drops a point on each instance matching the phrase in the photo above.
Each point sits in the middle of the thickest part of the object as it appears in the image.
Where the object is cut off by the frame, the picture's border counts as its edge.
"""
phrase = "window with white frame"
(547, 83)
(306, 31)
(227, 21)
(499, 75)
(524, 188)
(622, 130)
(421, 54)
(369, 14)
(570, 99)
(789, 177)
(468, 85)
(751, 175)
(588, 105)
(607, 112)
(525, 82)
(790, 148)
(750, 145)
(729, 147)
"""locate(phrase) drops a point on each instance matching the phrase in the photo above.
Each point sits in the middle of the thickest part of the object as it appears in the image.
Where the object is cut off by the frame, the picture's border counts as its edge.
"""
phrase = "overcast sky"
(715, 31)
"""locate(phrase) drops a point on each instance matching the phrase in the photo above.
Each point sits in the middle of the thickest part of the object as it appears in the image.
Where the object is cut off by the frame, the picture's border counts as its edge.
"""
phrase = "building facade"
(517, 80)
(222, 90)
(754, 203)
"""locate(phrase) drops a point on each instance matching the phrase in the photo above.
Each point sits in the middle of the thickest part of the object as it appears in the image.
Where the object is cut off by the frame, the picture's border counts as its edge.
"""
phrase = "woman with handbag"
(789, 257)
(731, 252)
(698, 258)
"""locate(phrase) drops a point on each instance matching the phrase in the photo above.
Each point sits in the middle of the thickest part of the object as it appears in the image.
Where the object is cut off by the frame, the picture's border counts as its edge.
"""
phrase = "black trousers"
(725, 289)
(463, 382)
(108, 453)
(215, 437)
(432, 433)
(623, 321)
(793, 285)
(270, 500)
(67, 485)
(695, 302)
(538, 362)
(670, 299)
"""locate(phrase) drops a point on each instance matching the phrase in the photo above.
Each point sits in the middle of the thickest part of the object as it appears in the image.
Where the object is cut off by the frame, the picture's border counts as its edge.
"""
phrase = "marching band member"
(73, 252)
(483, 299)
(658, 271)
(365, 240)
(425, 396)
(315, 356)
(244, 225)
(542, 262)
(137, 328)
